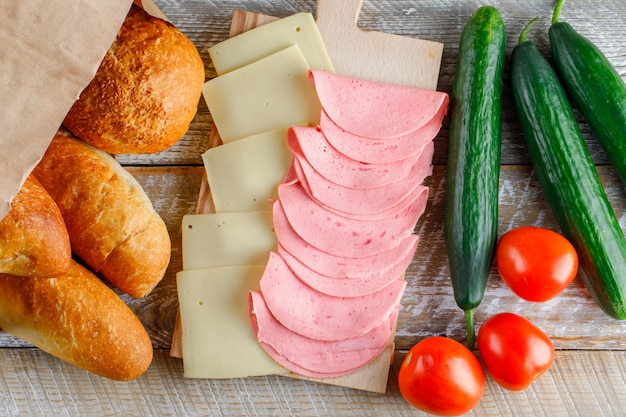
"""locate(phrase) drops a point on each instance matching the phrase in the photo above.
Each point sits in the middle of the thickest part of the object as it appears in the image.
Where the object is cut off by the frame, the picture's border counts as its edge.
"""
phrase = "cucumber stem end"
(557, 11)
(522, 36)
(469, 323)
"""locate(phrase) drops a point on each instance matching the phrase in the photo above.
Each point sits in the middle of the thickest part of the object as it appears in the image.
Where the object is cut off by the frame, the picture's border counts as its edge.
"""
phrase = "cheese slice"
(272, 93)
(298, 29)
(217, 337)
(243, 175)
(227, 239)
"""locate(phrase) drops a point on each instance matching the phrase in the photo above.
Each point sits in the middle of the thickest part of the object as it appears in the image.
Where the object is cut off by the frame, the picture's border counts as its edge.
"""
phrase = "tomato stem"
(557, 11)
(469, 322)
(522, 36)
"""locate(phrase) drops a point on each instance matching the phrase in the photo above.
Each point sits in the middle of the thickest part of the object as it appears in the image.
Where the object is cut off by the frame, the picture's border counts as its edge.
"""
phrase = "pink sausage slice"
(315, 358)
(376, 110)
(319, 316)
(364, 200)
(380, 151)
(311, 144)
(418, 193)
(337, 287)
(340, 235)
(396, 259)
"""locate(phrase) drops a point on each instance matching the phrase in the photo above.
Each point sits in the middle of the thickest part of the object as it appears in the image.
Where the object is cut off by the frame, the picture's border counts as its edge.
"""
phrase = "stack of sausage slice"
(345, 219)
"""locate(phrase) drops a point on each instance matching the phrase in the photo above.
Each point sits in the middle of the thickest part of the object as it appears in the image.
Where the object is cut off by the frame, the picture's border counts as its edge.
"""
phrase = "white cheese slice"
(227, 239)
(217, 337)
(272, 93)
(243, 175)
(298, 29)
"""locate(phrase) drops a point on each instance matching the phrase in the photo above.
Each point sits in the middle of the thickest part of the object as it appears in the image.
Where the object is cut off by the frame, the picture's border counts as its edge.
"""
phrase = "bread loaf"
(33, 238)
(146, 91)
(111, 222)
(78, 319)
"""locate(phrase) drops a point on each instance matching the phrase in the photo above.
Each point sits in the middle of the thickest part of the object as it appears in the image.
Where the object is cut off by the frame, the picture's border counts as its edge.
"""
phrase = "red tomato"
(536, 263)
(514, 351)
(441, 376)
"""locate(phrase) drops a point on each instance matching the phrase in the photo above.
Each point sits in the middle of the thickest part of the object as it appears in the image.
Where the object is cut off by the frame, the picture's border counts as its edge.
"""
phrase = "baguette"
(111, 222)
(145, 92)
(78, 319)
(33, 238)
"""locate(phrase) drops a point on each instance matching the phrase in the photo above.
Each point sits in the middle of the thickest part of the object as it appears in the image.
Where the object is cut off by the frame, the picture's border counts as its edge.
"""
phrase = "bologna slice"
(310, 143)
(418, 195)
(319, 316)
(366, 149)
(397, 258)
(376, 110)
(340, 235)
(337, 287)
(294, 174)
(364, 200)
(311, 357)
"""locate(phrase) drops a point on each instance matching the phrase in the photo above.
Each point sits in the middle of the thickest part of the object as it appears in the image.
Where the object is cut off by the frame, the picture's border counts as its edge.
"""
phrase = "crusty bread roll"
(111, 222)
(78, 319)
(146, 91)
(33, 239)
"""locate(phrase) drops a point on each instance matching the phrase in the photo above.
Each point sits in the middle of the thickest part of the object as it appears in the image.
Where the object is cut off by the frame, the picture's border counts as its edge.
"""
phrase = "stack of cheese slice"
(344, 219)
(261, 90)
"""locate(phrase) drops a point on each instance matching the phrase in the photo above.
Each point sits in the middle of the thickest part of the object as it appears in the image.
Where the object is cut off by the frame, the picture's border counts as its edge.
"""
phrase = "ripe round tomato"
(536, 263)
(514, 351)
(441, 376)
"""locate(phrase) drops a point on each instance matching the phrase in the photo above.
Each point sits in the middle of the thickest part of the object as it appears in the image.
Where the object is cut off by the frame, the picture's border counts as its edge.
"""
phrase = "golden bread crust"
(146, 91)
(111, 222)
(78, 319)
(33, 238)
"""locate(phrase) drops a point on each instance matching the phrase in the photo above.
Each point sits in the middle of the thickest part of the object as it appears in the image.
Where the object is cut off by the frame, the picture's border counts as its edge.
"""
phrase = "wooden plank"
(428, 306)
(584, 383)
(207, 23)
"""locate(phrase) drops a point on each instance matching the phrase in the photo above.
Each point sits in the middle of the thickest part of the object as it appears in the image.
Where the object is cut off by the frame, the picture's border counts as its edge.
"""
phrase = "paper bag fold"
(50, 52)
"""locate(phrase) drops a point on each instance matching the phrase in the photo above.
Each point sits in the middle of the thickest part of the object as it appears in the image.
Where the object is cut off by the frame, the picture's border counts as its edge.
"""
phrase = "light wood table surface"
(589, 374)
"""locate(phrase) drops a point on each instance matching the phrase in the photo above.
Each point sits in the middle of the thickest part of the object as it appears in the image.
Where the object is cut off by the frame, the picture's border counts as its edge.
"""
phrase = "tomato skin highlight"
(514, 351)
(537, 264)
(441, 376)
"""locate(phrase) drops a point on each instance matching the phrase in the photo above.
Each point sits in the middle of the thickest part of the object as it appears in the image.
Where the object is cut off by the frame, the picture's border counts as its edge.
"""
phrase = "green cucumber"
(568, 177)
(473, 164)
(594, 86)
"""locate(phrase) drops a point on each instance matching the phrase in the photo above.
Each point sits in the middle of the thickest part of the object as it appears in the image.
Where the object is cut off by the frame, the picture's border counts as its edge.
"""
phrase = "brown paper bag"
(49, 52)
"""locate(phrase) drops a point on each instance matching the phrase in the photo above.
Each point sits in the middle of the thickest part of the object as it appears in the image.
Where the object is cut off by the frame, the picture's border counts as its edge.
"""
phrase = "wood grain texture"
(372, 55)
(428, 306)
(579, 384)
(588, 378)
(207, 22)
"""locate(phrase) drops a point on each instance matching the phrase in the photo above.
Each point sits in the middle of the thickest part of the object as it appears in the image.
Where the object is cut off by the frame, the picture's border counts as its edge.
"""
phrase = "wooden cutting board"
(375, 56)
(372, 377)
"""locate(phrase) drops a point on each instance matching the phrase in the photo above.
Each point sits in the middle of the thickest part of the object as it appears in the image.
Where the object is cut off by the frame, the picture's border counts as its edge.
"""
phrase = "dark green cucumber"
(594, 86)
(568, 177)
(473, 165)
